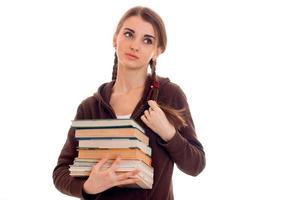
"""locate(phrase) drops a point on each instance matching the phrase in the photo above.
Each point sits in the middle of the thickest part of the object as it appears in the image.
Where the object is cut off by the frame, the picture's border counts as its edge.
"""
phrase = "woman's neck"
(128, 80)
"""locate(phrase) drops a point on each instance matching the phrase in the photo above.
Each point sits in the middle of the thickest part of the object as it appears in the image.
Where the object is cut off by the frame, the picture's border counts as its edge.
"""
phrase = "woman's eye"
(148, 41)
(128, 34)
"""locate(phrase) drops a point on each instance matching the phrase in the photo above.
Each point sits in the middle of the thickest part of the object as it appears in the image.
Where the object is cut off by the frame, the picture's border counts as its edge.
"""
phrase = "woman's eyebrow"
(146, 35)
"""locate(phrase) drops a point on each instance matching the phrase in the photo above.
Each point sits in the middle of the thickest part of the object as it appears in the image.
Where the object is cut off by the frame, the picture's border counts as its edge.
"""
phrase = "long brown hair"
(175, 116)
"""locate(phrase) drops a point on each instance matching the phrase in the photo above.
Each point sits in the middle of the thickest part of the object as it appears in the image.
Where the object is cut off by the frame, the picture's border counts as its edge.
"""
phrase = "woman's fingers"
(100, 163)
(128, 178)
(153, 108)
(127, 181)
(153, 105)
(115, 164)
(127, 175)
(147, 114)
(145, 120)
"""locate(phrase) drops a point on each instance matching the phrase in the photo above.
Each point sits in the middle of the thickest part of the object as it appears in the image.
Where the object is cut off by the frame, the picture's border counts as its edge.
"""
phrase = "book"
(82, 167)
(114, 153)
(124, 165)
(143, 182)
(85, 171)
(112, 138)
(112, 133)
(114, 144)
(107, 123)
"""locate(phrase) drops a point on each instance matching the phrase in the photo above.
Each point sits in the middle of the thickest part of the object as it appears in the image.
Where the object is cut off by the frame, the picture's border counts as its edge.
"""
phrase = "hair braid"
(115, 68)
(155, 86)
(175, 116)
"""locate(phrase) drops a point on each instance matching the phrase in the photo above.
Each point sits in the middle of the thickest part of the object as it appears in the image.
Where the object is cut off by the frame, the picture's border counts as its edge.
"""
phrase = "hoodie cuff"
(174, 144)
(83, 194)
(87, 196)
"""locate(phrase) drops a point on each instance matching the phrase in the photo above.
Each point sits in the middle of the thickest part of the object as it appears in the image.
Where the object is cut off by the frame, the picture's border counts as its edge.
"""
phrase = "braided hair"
(175, 116)
(115, 68)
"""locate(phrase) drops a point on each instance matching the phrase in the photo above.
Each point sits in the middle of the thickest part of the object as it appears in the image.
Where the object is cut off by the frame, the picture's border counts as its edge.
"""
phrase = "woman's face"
(136, 43)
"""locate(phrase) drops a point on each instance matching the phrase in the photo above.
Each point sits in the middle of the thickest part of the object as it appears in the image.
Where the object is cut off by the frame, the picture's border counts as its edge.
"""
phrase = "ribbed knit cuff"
(174, 145)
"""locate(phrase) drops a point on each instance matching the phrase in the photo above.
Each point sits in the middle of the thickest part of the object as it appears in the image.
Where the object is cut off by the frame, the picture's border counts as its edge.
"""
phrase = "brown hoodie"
(183, 149)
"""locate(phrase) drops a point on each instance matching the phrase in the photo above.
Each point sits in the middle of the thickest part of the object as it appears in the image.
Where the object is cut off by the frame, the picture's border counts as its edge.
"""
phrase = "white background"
(237, 61)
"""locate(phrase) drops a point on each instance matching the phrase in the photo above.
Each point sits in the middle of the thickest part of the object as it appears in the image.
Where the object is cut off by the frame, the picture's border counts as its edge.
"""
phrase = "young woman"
(156, 103)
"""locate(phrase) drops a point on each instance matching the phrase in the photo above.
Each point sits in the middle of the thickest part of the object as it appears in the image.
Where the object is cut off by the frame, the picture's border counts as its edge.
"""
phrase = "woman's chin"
(132, 65)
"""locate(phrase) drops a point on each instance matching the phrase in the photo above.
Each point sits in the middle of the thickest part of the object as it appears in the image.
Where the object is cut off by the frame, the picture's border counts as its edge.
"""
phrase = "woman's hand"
(100, 181)
(156, 119)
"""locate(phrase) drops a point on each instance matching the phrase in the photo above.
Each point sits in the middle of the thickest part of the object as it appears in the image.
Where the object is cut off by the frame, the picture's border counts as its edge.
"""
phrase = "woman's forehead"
(139, 25)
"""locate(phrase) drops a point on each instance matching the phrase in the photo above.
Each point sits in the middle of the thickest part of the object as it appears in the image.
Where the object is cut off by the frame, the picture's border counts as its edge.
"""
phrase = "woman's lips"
(131, 56)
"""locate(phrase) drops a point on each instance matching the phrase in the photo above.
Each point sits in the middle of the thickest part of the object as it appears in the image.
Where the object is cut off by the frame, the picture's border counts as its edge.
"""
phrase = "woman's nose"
(134, 45)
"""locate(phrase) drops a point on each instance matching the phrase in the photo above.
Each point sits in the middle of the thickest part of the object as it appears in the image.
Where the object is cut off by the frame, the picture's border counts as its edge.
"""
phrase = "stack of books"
(111, 138)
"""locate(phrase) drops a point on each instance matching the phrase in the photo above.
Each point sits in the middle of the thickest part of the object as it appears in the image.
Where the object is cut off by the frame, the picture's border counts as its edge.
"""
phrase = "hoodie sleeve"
(184, 148)
(72, 186)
